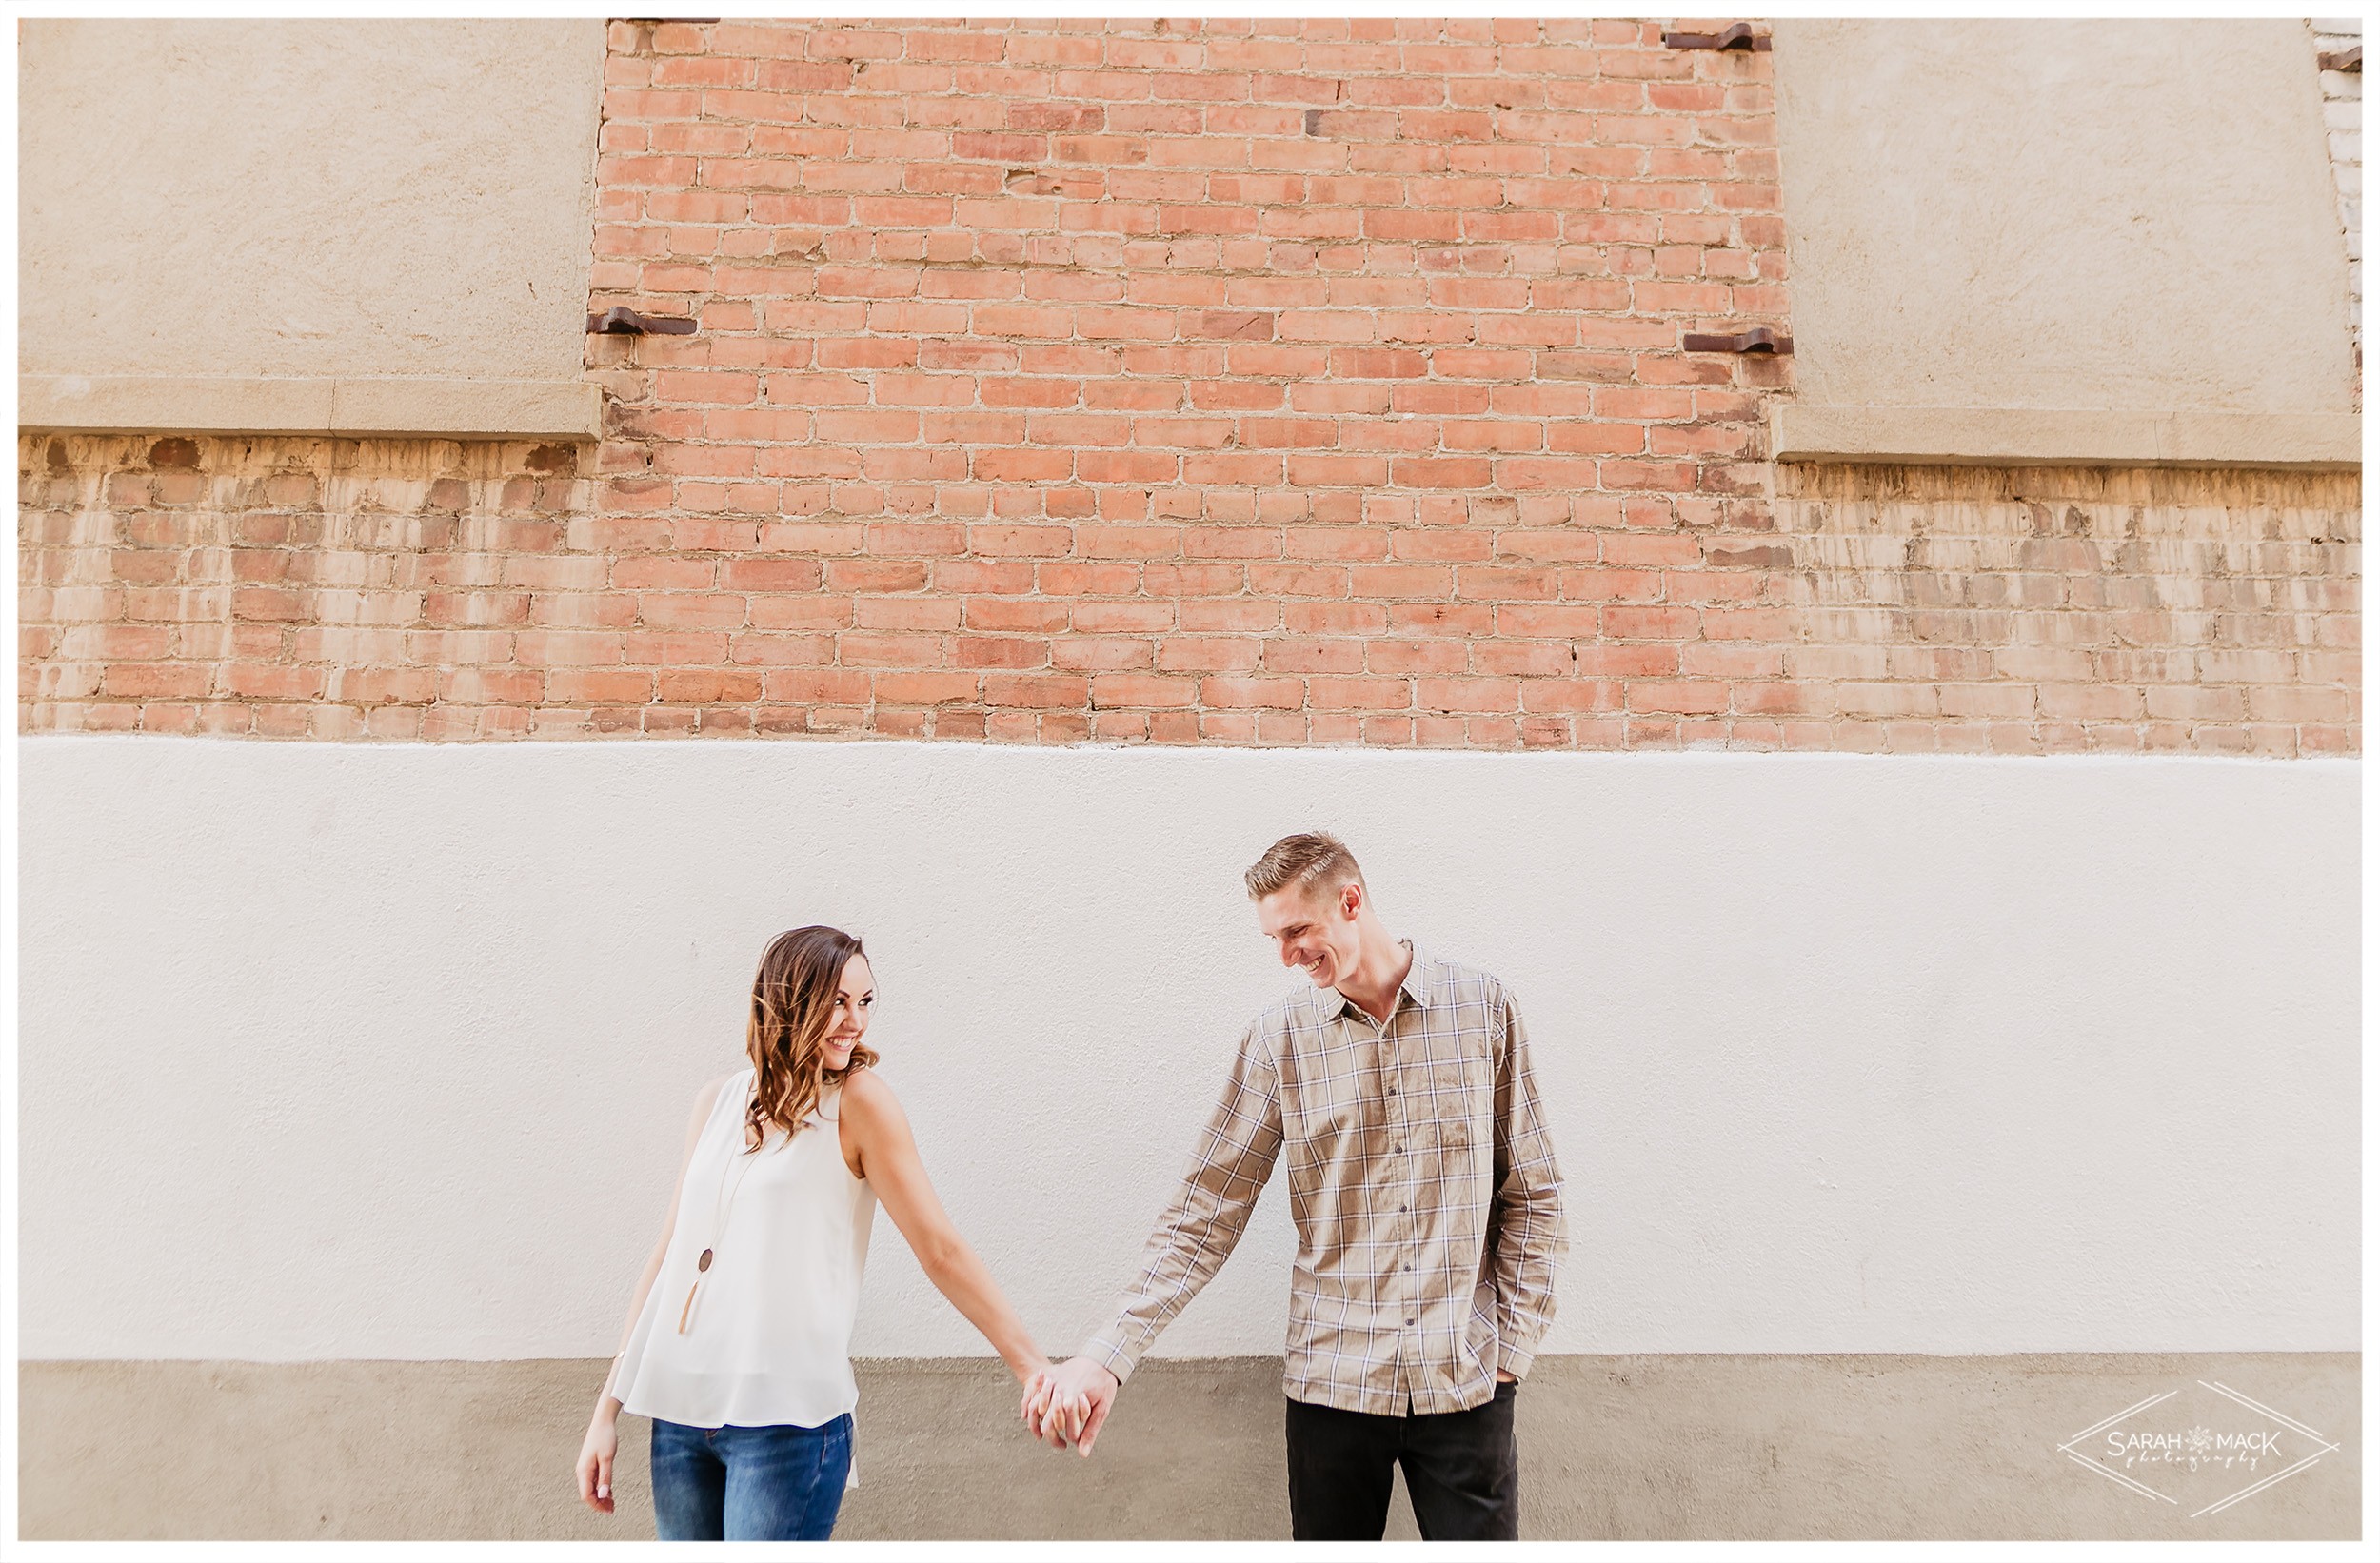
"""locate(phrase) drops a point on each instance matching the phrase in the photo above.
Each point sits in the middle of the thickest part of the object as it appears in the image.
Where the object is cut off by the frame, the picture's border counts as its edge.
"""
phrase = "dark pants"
(1463, 1469)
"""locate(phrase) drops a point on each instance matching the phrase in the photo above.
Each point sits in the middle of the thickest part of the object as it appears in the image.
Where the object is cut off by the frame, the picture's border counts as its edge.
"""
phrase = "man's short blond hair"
(1316, 861)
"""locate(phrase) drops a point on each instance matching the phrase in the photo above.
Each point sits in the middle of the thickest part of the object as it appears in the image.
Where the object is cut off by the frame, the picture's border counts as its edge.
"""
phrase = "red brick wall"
(1276, 382)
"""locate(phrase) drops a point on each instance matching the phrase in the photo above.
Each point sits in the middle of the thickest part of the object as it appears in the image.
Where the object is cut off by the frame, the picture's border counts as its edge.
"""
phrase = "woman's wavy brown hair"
(793, 1008)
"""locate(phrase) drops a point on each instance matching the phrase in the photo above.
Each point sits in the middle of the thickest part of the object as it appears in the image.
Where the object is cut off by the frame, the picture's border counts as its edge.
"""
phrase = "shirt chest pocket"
(1462, 1092)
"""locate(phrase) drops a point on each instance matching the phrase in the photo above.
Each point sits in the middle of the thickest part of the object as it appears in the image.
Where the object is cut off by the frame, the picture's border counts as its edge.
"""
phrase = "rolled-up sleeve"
(1525, 1220)
(1208, 1210)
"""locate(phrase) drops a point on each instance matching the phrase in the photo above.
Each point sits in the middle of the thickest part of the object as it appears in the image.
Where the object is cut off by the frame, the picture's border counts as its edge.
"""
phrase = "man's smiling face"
(1316, 933)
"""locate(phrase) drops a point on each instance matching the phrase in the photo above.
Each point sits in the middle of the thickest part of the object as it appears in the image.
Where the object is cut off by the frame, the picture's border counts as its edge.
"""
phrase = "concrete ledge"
(118, 404)
(1641, 1447)
(2010, 437)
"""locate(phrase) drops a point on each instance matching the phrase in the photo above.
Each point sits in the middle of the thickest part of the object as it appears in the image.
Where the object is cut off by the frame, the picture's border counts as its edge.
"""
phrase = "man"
(1428, 1212)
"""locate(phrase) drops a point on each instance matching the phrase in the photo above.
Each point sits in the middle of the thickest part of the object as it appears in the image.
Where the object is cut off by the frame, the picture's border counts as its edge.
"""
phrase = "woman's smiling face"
(855, 996)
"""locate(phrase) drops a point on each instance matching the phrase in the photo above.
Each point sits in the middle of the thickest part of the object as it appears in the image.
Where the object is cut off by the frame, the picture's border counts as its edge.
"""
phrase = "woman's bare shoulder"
(867, 1097)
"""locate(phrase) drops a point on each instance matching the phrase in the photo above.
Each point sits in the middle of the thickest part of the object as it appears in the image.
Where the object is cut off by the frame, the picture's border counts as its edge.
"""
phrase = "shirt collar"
(1417, 985)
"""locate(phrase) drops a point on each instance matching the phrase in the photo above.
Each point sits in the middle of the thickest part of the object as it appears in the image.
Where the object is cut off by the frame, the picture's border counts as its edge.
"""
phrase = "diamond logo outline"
(2199, 1441)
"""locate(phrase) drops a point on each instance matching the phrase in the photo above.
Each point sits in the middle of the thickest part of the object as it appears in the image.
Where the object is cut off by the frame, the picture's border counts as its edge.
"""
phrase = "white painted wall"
(357, 1052)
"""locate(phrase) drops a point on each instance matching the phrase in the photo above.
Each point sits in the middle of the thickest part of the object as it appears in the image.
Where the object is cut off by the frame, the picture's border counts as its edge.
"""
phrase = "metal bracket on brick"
(1738, 36)
(2345, 59)
(1758, 338)
(622, 321)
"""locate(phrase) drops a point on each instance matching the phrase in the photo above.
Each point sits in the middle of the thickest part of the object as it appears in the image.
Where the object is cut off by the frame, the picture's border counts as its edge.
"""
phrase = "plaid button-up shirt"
(1421, 1182)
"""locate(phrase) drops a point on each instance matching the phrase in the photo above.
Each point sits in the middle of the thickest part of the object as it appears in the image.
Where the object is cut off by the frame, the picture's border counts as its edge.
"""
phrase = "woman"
(739, 1338)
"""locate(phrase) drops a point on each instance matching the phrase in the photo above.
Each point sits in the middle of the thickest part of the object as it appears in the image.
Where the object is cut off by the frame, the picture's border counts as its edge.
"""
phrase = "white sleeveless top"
(768, 1339)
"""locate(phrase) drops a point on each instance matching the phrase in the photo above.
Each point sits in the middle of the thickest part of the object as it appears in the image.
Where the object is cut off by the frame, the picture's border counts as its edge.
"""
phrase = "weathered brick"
(1314, 384)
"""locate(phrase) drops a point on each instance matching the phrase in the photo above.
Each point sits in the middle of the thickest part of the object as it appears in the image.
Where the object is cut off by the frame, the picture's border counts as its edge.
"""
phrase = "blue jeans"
(750, 1483)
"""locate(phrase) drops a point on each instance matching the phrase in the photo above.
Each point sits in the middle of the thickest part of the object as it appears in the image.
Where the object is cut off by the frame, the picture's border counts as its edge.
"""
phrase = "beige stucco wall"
(2043, 240)
(1668, 1446)
(376, 227)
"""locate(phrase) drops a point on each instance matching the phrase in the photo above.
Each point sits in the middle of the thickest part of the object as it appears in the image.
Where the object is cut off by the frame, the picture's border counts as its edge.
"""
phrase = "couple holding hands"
(1421, 1184)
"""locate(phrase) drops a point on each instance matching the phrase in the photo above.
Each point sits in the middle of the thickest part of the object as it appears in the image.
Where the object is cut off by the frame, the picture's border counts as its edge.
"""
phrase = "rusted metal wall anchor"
(1760, 339)
(622, 321)
(1738, 36)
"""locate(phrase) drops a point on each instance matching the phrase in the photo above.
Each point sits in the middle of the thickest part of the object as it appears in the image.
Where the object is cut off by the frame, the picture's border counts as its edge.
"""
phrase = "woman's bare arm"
(889, 1159)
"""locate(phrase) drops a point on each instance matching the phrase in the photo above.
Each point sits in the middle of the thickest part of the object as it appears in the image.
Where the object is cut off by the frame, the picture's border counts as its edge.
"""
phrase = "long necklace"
(702, 1266)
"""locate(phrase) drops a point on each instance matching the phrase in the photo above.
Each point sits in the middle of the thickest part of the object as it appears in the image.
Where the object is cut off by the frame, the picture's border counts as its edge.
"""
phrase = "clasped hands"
(1065, 1405)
